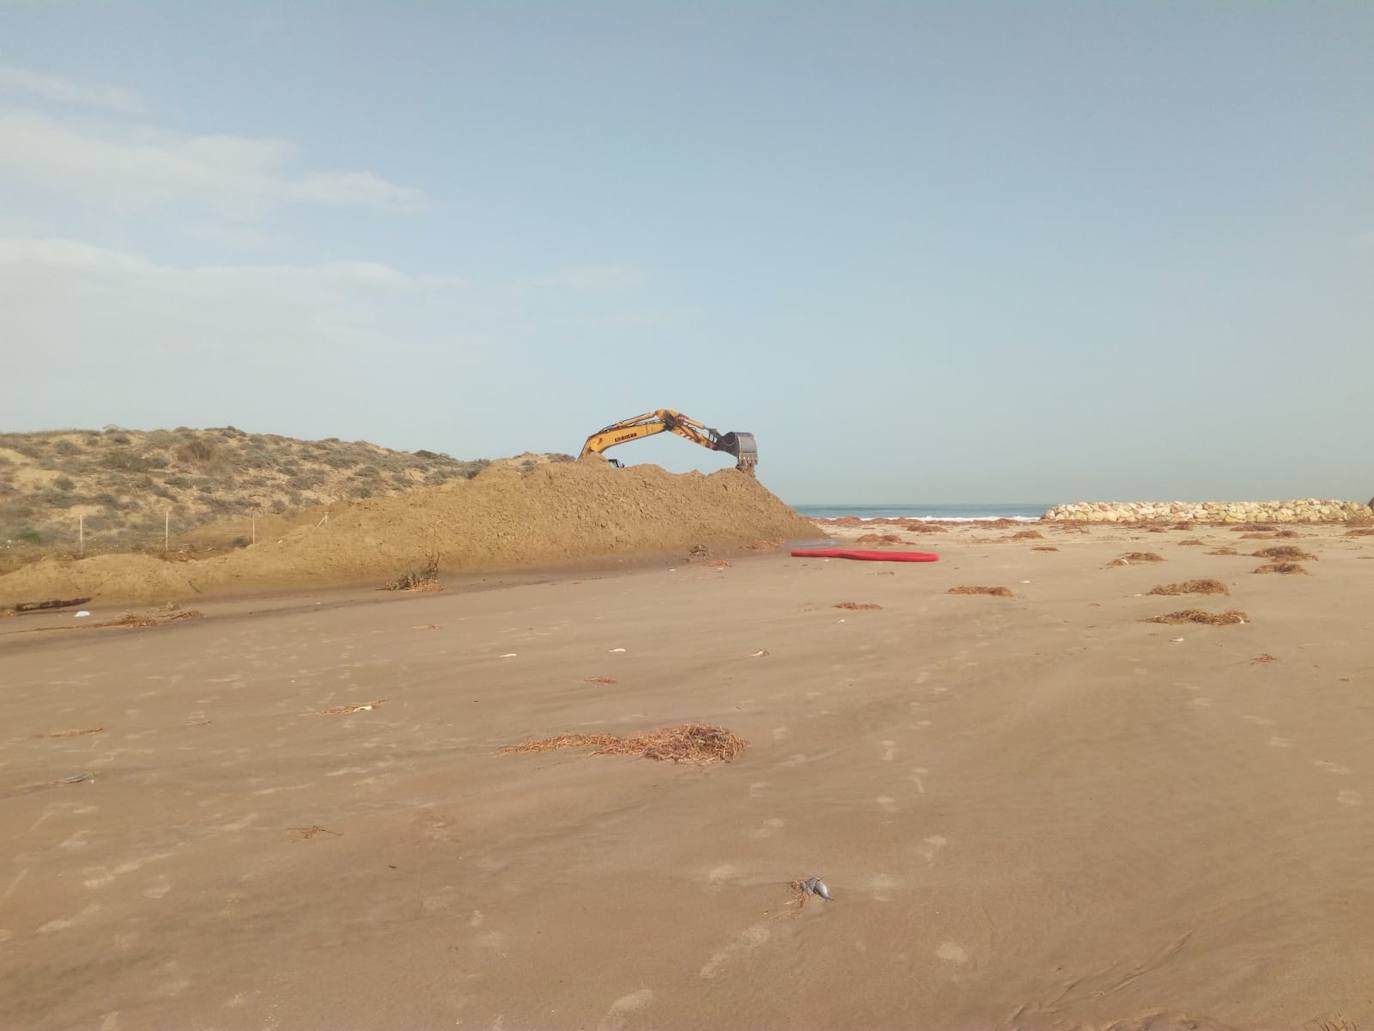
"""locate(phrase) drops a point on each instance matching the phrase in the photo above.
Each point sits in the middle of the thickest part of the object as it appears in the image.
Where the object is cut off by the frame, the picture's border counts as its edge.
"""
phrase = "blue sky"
(926, 252)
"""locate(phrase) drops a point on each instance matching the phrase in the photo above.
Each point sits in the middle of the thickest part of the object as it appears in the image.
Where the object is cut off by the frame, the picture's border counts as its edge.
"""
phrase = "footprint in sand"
(922, 676)
(1330, 767)
(930, 847)
(917, 776)
(158, 887)
(1280, 742)
(1350, 798)
(1200, 702)
(888, 803)
(781, 733)
(952, 953)
(749, 939)
(920, 724)
(623, 1007)
(757, 788)
(720, 875)
(769, 828)
(882, 887)
(795, 760)
(1260, 721)
(889, 750)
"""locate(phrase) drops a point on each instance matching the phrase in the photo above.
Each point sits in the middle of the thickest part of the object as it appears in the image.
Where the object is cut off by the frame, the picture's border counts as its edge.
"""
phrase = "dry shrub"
(1263, 659)
(1223, 551)
(1182, 526)
(1285, 553)
(426, 578)
(1228, 618)
(921, 526)
(1253, 528)
(880, 538)
(1287, 534)
(857, 606)
(601, 680)
(998, 592)
(1136, 556)
(1191, 542)
(687, 742)
(1027, 535)
(1192, 587)
(1044, 547)
(999, 524)
(1286, 568)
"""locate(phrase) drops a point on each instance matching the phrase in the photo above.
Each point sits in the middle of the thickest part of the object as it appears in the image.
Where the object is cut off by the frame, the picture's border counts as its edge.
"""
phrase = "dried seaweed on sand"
(1136, 556)
(921, 526)
(1044, 547)
(80, 732)
(998, 592)
(1263, 659)
(1286, 568)
(426, 578)
(600, 680)
(1284, 553)
(1228, 618)
(880, 538)
(857, 606)
(1192, 587)
(1191, 542)
(687, 742)
(1027, 535)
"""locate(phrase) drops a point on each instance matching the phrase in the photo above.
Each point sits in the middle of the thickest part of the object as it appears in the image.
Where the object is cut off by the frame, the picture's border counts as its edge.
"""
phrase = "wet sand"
(1035, 812)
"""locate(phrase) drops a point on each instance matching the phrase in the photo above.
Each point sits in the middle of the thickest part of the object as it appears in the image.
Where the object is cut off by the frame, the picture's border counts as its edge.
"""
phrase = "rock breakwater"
(1303, 510)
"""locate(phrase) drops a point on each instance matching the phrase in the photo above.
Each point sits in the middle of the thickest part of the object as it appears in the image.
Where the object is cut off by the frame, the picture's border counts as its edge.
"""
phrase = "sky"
(926, 252)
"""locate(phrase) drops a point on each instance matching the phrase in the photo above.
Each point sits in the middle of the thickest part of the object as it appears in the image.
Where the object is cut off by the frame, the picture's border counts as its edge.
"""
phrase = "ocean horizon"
(969, 510)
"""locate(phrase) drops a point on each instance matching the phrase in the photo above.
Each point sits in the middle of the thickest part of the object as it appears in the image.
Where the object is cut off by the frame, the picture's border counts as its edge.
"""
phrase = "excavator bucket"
(743, 447)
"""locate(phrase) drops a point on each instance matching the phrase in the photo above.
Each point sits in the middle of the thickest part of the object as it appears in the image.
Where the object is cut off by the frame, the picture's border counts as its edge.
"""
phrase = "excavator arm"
(665, 420)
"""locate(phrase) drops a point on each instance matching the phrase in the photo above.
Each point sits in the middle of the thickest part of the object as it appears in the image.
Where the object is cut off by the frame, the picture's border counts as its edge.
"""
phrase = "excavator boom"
(664, 420)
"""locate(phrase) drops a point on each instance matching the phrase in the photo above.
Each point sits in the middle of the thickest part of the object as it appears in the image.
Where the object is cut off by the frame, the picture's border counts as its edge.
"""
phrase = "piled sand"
(505, 518)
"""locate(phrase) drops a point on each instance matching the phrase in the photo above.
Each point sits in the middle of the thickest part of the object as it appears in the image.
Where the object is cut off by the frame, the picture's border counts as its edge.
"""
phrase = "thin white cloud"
(69, 91)
(133, 169)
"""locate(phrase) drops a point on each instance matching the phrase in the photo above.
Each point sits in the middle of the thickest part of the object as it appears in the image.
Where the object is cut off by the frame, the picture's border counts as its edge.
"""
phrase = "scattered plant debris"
(601, 680)
(1182, 526)
(314, 830)
(1360, 531)
(135, 621)
(999, 592)
(1191, 542)
(921, 526)
(1136, 556)
(880, 538)
(426, 578)
(1265, 658)
(857, 606)
(82, 732)
(687, 742)
(1287, 533)
(1253, 528)
(1223, 551)
(1192, 587)
(350, 709)
(1286, 568)
(42, 606)
(1228, 618)
(1027, 535)
(1284, 553)
(1044, 547)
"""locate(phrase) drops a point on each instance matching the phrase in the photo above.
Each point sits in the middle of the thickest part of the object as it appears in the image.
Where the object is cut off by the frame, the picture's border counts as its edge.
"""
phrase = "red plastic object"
(867, 556)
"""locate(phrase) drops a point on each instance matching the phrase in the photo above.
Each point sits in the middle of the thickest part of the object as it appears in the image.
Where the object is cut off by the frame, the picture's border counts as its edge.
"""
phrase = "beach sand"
(1032, 812)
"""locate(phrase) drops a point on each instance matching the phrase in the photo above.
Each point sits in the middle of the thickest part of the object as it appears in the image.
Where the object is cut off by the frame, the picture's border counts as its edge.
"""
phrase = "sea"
(977, 510)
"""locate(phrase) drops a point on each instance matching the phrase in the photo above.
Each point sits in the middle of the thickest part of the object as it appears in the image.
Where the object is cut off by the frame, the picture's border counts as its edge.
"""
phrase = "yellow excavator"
(665, 420)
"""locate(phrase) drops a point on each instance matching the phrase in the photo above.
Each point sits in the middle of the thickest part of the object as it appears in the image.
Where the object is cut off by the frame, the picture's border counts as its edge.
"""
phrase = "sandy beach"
(1036, 811)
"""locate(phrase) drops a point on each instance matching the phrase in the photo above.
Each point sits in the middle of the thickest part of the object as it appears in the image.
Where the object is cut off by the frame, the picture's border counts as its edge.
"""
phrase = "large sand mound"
(503, 519)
